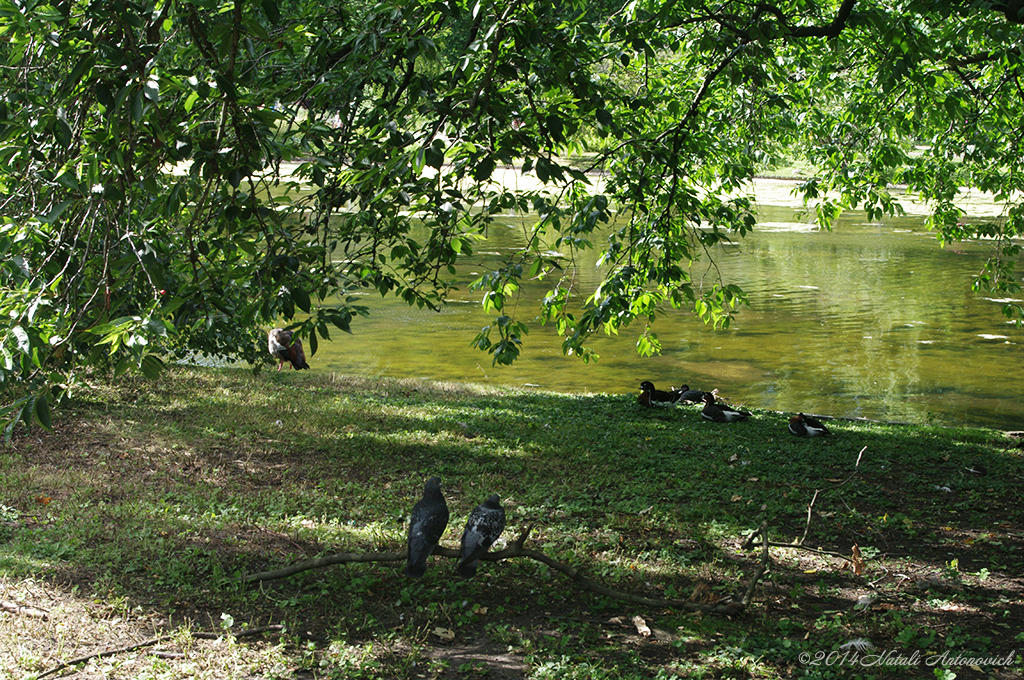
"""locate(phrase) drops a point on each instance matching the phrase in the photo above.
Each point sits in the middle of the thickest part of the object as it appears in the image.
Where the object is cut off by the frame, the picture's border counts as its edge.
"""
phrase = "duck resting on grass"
(686, 394)
(806, 426)
(651, 397)
(720, 413)
(284, 347)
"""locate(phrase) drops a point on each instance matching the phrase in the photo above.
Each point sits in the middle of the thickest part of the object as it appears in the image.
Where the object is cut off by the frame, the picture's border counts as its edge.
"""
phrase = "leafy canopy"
(148, 212)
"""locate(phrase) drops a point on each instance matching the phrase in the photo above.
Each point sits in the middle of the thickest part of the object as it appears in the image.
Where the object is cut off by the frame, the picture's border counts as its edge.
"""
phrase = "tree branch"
(516, 549)
(830, 30)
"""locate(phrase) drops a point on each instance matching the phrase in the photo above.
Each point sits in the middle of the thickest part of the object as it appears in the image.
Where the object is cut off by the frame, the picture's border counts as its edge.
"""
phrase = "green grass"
(139, 514)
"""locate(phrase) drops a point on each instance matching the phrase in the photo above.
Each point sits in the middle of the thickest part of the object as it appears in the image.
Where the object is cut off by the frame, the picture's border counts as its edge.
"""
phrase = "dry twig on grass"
(22, 610)
(155, 641)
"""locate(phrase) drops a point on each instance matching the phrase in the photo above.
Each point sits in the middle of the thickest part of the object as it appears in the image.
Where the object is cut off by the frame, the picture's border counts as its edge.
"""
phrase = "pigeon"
(284, 347)
(428, 522)
(806, 426)
(720, 413)
(483, 527)
(651, 397)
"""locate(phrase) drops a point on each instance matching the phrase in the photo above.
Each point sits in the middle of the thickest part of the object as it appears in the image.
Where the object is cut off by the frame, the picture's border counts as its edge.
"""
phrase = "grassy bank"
(140, 514)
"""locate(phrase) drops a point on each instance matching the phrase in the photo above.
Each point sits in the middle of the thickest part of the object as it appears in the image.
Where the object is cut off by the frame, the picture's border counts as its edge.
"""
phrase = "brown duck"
(284, 347)
(720, 413)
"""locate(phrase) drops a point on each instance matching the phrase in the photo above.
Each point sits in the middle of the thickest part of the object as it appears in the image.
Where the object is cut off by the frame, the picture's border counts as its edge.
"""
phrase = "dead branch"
(807, 525)
(516, 549)
(749, 595)
(810, 506)
(345, 558)
(155, 641)
(22, 610)
(749, 544)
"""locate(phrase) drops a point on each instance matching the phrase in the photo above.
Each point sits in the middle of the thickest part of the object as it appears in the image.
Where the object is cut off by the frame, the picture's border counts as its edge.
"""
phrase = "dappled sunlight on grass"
(163, 495)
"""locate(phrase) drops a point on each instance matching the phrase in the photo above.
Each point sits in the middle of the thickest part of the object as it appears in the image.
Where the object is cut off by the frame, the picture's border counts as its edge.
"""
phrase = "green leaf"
(137, 107)
(301, 299)
(122, 367)
(151, 90)
(271, 10)
(21, 335)
(62, 132)
(484, 169)
(56, 212)
(43, 412)
(433, 158)
(151, 366)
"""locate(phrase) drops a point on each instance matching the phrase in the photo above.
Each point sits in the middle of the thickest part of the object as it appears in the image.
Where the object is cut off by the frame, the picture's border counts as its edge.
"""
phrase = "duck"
(806, 426)
(720, 413)
(686, 394)
(651, 397)
(284, 347)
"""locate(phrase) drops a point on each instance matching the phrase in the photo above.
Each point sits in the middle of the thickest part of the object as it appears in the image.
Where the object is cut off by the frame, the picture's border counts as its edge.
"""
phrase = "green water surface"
(870, 320)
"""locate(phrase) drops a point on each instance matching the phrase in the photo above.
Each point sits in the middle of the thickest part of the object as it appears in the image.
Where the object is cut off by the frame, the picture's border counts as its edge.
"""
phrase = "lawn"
(131, 528)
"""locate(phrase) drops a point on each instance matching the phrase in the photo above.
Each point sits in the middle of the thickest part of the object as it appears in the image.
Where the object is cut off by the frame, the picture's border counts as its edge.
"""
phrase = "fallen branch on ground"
(516, 549)
(749, 544)
(22, 610)
(155, 641)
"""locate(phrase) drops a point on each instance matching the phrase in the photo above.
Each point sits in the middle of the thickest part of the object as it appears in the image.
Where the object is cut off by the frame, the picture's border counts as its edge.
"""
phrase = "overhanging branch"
(829, 30)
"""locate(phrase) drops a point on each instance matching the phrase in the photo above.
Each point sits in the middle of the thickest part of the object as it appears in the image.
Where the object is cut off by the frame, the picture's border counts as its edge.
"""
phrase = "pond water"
(870, 320)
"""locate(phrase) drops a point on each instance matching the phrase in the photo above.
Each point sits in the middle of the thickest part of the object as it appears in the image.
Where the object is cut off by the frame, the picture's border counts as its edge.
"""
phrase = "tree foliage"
(146, 216)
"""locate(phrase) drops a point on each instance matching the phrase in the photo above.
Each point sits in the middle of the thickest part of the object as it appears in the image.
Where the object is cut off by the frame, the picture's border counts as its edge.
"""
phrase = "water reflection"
(871, 320)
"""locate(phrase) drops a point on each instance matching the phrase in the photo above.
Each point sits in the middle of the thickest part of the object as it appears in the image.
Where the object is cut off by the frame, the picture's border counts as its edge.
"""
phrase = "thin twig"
(856, 469)
(749, 544)
(765, 559)
(810, 508)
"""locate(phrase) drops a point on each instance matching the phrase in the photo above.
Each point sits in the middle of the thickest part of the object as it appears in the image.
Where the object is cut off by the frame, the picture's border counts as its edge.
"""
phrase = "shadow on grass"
(166, 494)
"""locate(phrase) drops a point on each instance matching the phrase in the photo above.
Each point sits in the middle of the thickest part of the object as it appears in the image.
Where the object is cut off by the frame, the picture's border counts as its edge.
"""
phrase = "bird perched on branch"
(806, 426)
(428, 522)
(284, 347)
(483, 528)
(651, 397)
(720, 413)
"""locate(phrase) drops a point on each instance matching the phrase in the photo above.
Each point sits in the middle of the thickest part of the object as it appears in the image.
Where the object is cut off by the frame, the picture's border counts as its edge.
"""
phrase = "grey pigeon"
(483, 527)
(429, 519)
